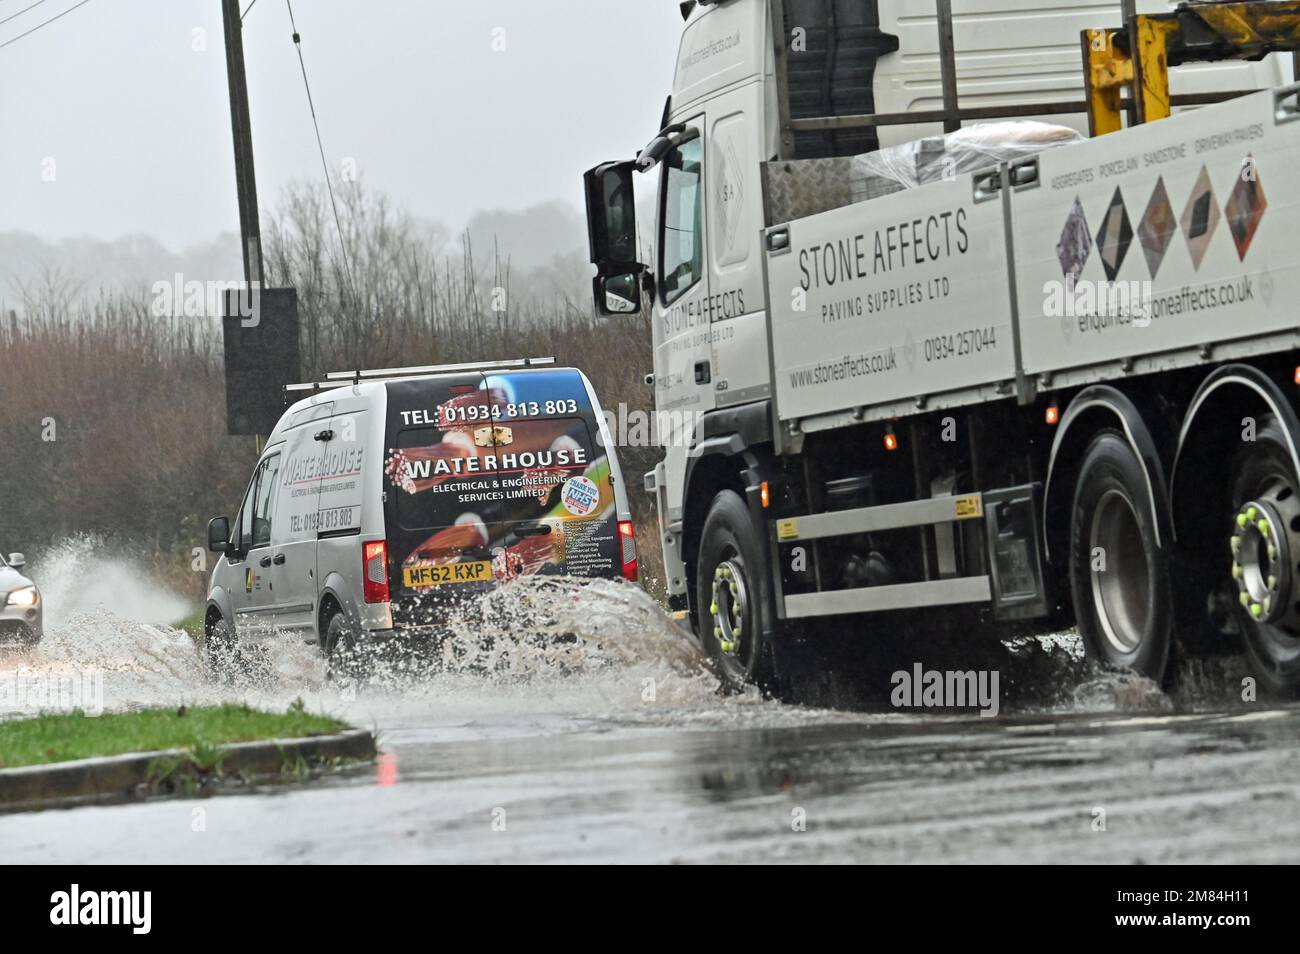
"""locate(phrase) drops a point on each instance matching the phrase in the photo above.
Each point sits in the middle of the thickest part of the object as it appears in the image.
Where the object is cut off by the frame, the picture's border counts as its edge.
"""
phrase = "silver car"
(20, 602)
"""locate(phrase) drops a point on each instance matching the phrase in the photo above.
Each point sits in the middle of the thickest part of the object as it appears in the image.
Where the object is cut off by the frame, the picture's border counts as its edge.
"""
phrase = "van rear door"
(437, 486)
(558, 513)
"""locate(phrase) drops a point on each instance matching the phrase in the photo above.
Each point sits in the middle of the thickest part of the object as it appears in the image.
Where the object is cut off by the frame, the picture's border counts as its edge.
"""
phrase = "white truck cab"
(384, 497)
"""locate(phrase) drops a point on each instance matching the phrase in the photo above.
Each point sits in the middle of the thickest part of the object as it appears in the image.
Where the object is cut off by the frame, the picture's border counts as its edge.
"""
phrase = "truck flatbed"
(1164, 246)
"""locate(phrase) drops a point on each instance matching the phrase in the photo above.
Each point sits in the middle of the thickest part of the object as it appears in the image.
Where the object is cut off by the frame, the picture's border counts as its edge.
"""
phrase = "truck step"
(910, 513)
(869, 599)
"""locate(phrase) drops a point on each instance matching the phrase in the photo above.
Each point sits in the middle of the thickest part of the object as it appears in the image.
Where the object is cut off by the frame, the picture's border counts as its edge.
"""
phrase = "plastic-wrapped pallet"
(940, 157)
(801, 187)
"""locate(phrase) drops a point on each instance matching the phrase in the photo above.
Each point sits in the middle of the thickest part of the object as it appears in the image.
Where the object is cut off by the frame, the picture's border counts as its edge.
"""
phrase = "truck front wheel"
(728, 588)
(1119, 575)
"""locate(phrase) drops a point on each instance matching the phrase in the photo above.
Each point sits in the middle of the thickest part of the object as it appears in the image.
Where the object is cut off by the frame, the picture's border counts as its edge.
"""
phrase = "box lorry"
(1006, 375)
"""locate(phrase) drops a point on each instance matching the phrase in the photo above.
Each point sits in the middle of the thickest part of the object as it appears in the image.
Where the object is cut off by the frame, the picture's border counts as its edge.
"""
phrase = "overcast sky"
(136, 120)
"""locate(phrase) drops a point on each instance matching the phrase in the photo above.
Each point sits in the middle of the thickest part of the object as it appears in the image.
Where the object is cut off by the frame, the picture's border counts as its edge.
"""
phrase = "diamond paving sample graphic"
(1157, 227)
(1115, 237)
(1200, 218)
(1245, 207)
(1075, 244)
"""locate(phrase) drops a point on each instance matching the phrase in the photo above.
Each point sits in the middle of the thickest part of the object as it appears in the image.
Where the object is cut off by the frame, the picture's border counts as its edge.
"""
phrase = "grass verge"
(66, 736)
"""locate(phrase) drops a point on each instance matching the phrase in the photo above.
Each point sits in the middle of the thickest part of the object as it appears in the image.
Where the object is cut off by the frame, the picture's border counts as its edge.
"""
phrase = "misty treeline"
(112, 416)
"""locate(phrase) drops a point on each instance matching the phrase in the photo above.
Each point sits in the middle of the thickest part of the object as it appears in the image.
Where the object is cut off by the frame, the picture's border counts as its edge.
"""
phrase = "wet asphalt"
(823, 787)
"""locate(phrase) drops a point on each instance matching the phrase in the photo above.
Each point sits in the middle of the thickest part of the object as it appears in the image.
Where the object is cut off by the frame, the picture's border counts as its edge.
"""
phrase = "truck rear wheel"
(1119, 575)
(728, 588)
(1265, 547)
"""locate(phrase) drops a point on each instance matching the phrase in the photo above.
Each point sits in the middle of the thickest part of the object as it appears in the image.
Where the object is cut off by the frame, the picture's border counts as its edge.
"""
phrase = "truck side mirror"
(611, 233)
(219, 534)
(17, 561)
(611, 213)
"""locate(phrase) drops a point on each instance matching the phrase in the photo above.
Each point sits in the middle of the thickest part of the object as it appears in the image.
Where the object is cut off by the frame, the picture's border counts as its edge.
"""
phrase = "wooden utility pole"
(245, 181)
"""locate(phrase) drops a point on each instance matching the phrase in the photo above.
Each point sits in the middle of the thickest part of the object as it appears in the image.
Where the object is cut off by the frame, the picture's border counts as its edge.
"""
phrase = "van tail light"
(374, 566)
(627, 537)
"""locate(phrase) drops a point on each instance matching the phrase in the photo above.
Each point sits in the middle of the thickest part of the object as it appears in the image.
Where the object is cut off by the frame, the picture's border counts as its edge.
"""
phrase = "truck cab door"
(737, 313)
(683, 307)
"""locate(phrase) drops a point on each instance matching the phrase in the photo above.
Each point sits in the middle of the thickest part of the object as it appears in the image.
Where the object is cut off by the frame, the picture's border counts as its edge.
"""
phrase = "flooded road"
(624, 752)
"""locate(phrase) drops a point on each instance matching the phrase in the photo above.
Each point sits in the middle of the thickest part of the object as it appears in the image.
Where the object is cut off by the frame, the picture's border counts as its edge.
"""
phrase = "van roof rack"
(435, 369)
(341, 379)
(315, 386)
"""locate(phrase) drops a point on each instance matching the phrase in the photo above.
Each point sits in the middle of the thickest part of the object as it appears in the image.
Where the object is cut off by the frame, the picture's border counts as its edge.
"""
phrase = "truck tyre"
(1263, 473)
(1119, 576)
(728, 588)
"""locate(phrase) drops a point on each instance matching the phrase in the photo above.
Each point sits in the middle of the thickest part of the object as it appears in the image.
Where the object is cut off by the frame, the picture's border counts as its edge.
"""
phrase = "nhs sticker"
(580, 496)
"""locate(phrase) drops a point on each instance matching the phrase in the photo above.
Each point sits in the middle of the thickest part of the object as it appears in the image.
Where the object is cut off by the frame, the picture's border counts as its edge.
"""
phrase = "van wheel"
(343, 651)
(1265, 545)
(1119, 576)
(221, 649)
(729, 595)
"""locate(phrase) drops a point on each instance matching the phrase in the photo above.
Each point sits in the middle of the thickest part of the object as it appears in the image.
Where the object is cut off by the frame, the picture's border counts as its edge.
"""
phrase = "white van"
(385, 496)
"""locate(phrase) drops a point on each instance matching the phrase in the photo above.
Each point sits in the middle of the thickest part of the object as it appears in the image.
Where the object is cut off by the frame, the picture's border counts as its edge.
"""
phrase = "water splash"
(85, 574)
(544, 652)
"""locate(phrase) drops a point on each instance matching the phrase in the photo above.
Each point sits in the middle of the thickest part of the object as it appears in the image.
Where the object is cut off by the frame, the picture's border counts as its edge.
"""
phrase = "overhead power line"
(15, 16)
(329, 184)
(44, 23)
